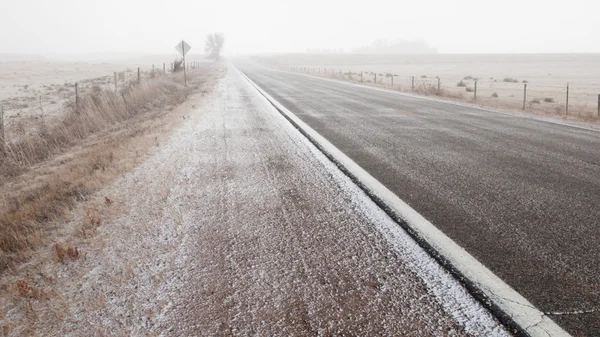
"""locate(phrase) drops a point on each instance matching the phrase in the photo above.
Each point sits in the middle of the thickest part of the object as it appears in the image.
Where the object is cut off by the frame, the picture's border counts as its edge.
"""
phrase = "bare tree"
(214, 44)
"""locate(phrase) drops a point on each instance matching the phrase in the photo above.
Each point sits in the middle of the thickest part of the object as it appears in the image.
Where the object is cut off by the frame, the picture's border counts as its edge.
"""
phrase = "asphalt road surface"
(520, 194)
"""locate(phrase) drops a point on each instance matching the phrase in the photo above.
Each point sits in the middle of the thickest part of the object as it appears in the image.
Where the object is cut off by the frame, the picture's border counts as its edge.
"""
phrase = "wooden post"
(164, 68)
(138, 75)
(153, 69)
(475, 92)
(567, 103)
(524, 95)
(76, 98)
(598, 105)
(413, 83)
(439, 87)
(375, 78)
(2, 137)
(392, 80)
(116, 87)
(184, 67)
(361, 73)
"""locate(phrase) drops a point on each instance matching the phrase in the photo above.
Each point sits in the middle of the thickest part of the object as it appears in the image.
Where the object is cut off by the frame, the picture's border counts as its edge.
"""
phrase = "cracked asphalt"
(520, 194)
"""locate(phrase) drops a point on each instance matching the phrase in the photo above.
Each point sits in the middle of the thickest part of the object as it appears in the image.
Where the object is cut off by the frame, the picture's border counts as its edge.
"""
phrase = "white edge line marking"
(519, 309)
(506, 112)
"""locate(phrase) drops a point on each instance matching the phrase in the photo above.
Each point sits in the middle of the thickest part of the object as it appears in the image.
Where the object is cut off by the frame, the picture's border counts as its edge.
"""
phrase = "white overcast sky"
(155, 26)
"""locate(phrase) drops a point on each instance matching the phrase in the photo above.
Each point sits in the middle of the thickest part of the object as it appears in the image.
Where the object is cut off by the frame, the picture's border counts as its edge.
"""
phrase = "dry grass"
(96, 112)
(43, 175)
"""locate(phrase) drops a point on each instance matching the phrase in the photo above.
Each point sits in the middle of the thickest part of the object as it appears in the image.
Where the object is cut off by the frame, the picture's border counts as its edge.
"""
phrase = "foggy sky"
(155, 26)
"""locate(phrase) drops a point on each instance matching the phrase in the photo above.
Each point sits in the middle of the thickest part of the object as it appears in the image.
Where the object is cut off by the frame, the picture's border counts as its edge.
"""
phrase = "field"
(35, 90)
(500, 78)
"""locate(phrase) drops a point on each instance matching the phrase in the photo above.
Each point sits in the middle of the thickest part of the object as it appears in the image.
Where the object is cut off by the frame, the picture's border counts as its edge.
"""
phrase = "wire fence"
(69, 95)
(568, 100)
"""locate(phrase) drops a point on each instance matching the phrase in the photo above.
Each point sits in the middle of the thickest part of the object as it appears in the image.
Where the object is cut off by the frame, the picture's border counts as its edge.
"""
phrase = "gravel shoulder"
(237, 225)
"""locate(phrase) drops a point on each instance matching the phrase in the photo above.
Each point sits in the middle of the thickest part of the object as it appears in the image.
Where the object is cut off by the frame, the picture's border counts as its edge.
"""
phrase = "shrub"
(549, 100)
(469, 89)
(423, 76)
(535, 101)
(525, 81)
(510, 80)
(461, 84)
(495, 95)
(468, 77)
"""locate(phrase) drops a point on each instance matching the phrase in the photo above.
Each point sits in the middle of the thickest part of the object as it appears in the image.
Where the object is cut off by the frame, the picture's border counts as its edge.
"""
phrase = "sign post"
(183, 48)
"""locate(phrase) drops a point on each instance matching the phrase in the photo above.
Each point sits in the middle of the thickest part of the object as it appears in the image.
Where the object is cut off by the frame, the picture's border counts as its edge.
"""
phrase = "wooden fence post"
(116, 89)
(164, 68)
(413, 83)
(524, 95)
(475, 92)
(375, 78)
(76, 98)
(2, 135)
(567, 103)
(439, 87)
(138, 75)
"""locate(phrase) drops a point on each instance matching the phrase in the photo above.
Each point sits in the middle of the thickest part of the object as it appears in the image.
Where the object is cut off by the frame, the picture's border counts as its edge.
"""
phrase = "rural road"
(273, 240)
(520, 194)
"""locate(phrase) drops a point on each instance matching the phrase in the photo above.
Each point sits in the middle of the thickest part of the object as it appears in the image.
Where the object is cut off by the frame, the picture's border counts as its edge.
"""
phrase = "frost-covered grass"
(44, 174)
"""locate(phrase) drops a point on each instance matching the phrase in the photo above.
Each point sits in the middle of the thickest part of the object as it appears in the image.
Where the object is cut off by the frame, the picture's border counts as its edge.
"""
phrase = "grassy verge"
(43, 175)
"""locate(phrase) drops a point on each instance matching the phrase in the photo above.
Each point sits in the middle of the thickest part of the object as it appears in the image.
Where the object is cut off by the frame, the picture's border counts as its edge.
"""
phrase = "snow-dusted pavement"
(238, 226)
